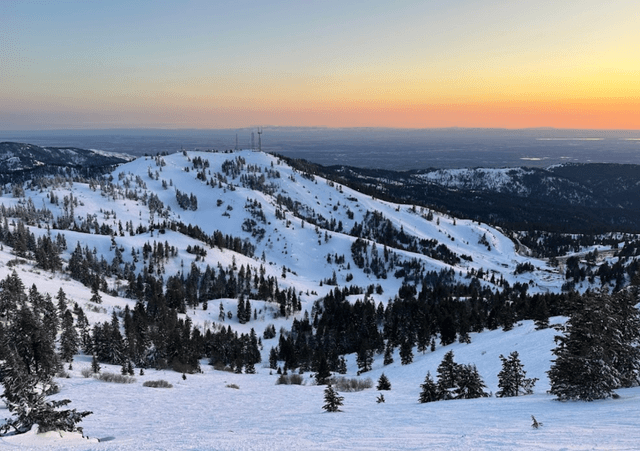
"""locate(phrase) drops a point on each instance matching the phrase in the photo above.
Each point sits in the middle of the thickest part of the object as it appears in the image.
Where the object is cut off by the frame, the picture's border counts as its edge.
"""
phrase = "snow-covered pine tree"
(383, 383)
(469, 384)
(429, 391)
(627, 351)
(27, 380)
(592, 356)
(332, 401)
(512, 379)
(447, 377)
(95, 295)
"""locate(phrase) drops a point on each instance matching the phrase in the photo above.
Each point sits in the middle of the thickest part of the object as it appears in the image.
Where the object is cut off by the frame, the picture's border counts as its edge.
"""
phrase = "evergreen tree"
(541, 314)
(69, 340)
(25, 397)
(447, 377)
(95, 366)
(61, 297)
(273, 359)
(469, 384)
(332, 401)
(627, 352)
(342, 365)
(323, 373)
(406, 352)
(364, 358)
(95, 295)
(597, 352)
(388, 353)
(383, 383)
(512, 379)
(429, 391)
(32, 343)
(240, 314)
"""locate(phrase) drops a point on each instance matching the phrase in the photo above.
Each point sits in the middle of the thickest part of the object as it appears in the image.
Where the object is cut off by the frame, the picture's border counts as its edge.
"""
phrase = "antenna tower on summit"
(260, 139)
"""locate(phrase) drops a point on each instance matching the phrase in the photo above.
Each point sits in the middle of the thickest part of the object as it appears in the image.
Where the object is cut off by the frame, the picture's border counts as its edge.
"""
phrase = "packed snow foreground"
(219, 408)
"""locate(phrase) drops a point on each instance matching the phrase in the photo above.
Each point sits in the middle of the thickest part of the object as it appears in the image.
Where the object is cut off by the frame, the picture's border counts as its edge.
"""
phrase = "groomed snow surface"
(204, 412)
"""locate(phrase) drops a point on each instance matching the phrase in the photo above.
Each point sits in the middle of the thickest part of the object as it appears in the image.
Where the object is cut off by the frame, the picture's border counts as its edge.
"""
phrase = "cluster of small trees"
(187, 201)
(455, 381)
(460, 381)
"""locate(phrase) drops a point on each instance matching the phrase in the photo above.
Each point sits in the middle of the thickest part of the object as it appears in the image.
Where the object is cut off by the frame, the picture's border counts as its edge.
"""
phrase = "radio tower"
(260, 139)
(236, 141)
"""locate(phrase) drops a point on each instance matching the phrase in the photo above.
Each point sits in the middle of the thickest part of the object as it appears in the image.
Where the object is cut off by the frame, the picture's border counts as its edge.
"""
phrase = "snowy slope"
(206, 412)
(291, 242)
(202, 412)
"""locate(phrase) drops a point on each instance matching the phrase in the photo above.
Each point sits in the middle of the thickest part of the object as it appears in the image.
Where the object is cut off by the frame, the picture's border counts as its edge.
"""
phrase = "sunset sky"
(415, 64)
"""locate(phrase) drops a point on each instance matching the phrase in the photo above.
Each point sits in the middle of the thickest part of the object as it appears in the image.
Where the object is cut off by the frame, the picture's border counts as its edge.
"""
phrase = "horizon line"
(320, 127)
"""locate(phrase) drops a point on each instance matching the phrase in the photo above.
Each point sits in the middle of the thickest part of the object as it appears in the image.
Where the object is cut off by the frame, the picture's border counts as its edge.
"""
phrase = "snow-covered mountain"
(289, 218)
(501, 180)
(253, 211)
(25, 157)
(577, 198)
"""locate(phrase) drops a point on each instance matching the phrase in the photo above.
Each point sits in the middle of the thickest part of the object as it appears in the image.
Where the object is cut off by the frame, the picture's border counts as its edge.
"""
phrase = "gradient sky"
(209, 64)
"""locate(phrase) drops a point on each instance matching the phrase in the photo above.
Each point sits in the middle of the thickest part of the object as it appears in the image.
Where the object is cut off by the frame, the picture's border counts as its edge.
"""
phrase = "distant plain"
(382, 148)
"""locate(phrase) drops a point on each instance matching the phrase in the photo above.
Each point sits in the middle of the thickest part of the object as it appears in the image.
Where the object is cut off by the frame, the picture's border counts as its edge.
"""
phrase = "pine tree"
(469, 384)
(69, 340)
(364, 358)
(627, 352)
(323, 373)
(383, 383)
(240, 314)
(388, 353)
(429, 391)
(273, 359)
(95, 295)
(597, 352)
(95, 366)
(342, 365)
(332, 401)
(221, 316)
(447, 377)
(512, 379)
(61, 297)
(541, 314)
(406, 352)
(27, 369)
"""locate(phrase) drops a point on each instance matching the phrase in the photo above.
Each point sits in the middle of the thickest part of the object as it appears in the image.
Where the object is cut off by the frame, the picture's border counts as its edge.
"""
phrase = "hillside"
(20, 161)
(575, 198)
(167, 252)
